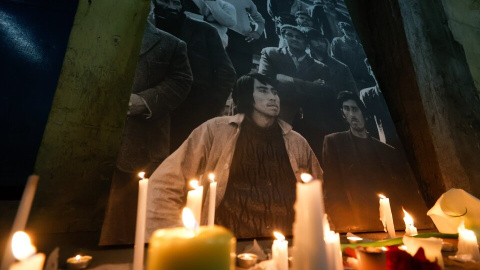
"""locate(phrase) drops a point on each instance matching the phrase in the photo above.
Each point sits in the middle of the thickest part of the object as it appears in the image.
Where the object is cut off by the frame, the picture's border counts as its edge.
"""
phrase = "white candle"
(24, 252)
(467, 244)
(432, 247)
(212, 200)
(194, 200)
(140, 226)
(332, 242)
(409, 227)
(386, 216)
(21, 218)
(309, 244)
(280, 252)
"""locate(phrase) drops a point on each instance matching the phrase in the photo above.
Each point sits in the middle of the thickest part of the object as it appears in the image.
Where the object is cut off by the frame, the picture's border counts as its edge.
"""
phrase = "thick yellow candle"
(191, 247)
(211, 248)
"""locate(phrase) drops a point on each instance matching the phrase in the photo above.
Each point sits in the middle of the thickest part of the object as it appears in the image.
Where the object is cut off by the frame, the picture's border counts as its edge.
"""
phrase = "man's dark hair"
(346, 95)
(243, 90)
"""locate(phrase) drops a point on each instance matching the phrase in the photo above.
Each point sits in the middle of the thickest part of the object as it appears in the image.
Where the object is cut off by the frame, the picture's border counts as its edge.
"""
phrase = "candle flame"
(354, 238)
(194, 184)
(141, 175)
(247, 256)
(188, 218)
(22, 246)
(211, 177)
(306, 177)
(403, 247)
(279, 236)
(466, 234)
(381, 196)
(384, 248)
(408, 219)
(78, 257)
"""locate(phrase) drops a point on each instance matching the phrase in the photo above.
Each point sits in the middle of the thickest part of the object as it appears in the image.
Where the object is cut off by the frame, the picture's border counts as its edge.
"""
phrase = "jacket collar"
(152, 35)
(237, 119)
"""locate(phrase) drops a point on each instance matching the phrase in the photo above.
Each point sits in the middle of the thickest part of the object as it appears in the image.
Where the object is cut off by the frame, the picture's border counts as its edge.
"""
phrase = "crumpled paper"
(257, 250)
(454, 206)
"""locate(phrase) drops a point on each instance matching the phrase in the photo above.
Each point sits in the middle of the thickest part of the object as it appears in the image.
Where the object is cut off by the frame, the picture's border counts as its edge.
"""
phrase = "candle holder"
(247, 260)
(79, 262)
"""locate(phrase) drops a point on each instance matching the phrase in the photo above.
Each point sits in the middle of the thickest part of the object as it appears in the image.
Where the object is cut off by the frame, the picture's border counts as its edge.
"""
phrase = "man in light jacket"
(256, 158)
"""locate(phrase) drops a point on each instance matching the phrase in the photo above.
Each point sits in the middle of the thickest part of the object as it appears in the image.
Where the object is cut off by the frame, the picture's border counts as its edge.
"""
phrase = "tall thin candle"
(386, 216)
(280, 252)
(140, 226)
(212, 199)
(194, 199)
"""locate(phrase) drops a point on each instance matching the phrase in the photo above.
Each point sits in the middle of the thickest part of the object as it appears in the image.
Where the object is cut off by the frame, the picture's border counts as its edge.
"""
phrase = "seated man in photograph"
(256, 158)
(358, 167)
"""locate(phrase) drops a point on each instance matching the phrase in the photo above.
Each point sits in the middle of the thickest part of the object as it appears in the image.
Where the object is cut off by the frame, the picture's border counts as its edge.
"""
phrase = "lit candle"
(467, 244)
(352, 238)
(280, 252)
(432, 247)
(332, 242)
(212, 199)
(247, 260)
(79, 262)
(191, 247)
(386, 216)
(21, 218)
(309, 244)
(194, 199)
(24, 252)
(409, 227)
(140, 225)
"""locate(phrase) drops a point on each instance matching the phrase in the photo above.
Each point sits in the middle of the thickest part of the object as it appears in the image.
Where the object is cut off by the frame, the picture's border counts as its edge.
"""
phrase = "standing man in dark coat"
(162, 82)
(213, 72)
(358, 167)
(348, 50)
(341, 79)
(299, 74)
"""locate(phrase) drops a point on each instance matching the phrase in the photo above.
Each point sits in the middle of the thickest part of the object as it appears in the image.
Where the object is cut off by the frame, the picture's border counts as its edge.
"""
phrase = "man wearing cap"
(303, 19)
(298, 73)
(348, 50)
(327, 17)
(256, 158)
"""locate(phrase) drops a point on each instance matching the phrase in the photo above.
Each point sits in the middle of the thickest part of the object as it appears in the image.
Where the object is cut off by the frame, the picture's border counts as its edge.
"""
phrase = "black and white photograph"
(257, 99)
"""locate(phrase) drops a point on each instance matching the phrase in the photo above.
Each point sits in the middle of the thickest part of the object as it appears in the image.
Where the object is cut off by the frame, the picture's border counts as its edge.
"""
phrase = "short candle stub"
(79, 262)
(247, 260)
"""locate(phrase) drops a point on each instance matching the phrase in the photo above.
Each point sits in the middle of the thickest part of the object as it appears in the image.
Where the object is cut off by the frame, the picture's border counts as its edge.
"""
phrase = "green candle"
(206, 248)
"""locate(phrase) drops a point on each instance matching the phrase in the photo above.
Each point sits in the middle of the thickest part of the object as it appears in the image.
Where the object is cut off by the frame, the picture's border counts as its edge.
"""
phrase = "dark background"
(33, 40)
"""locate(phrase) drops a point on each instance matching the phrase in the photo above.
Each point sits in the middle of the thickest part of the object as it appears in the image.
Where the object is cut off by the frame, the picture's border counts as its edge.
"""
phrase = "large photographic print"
(257, 93)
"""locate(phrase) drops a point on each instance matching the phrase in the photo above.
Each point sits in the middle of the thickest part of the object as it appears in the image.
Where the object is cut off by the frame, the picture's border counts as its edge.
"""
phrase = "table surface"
(121, 258)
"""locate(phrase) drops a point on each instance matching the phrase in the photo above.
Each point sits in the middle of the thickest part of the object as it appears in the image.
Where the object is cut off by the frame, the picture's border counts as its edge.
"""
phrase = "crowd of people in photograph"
(192, 53)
